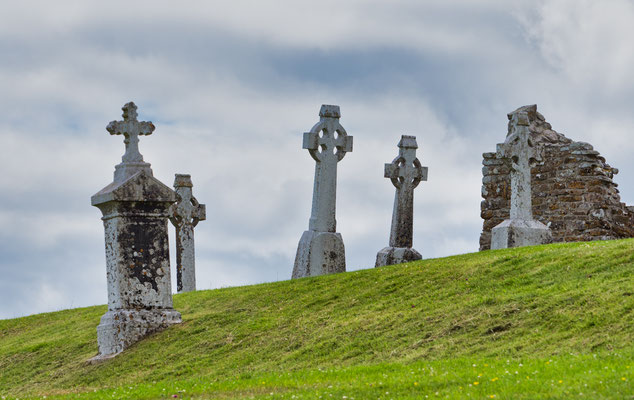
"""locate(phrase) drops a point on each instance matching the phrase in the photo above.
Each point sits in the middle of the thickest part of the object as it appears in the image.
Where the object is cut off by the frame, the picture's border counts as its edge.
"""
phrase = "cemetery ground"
(553, 321)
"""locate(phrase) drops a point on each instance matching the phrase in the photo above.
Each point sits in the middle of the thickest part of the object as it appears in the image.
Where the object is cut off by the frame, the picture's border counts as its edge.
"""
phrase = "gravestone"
(321, 250)
(406, 173)
(520, 229)
(135, 211)
(185, 215)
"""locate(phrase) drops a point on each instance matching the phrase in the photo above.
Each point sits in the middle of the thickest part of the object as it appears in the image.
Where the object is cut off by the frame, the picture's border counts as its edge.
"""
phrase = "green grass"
(552, 322)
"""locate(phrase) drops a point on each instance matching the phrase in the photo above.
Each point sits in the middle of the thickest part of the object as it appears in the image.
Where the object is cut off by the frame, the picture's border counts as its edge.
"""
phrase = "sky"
(231, 87)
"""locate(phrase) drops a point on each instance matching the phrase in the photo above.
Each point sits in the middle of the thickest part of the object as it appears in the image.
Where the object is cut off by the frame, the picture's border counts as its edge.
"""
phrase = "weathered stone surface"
(519, 148)
(573, 193)
(406, 173)
(185, 215)
(135, 211)
(321, 250)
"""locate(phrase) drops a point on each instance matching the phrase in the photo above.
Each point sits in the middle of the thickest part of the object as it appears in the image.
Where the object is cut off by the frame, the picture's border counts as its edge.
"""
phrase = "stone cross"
(131, 129)
(185, 215)
(520, 229)
(406, 173)
(321, 250)
(135, 213)
(520, 149)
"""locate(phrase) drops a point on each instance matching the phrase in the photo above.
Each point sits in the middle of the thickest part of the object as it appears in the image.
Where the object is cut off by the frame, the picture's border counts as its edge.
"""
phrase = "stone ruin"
(573, 192)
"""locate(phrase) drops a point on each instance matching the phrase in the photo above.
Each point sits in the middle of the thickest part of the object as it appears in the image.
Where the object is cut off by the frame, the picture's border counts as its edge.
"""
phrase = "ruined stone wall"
(572, 190)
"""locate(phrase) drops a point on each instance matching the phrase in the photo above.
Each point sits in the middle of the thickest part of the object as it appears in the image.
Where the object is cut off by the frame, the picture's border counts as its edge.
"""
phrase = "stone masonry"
(572, 189)
(405, 172)
(185, 215)
(135, 211)
(321, 250)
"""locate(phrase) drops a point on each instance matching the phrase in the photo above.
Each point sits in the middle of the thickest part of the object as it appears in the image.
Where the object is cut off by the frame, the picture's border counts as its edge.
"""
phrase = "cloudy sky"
(231, 86)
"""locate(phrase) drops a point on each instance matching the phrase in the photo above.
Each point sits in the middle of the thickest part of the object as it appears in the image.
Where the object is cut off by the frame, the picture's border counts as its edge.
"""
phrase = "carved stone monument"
(520, 229)
(185, 215)
(406, 173)
(135, 211)
(321, 250)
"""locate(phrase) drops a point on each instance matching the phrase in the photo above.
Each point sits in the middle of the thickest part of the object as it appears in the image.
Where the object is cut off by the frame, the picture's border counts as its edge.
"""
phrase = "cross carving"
(130, 128)
(406, 173)
(327, 142)
(187, 210)
(521, 150)
(406, 169)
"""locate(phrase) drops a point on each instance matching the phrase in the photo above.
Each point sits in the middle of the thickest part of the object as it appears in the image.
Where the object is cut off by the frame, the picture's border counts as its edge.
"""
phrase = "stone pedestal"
(319, 253)
(135, 212)
(396, 255)
(518, 233)
(321, 250)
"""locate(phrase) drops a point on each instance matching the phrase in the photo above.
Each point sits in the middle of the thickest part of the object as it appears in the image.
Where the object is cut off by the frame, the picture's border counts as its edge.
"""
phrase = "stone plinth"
(135, 211)
(519, 233)
(321, 250)
(185, 215)
(406, 173)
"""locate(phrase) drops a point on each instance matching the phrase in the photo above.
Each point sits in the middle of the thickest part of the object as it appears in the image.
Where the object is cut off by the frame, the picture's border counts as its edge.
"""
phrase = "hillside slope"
(528, 303)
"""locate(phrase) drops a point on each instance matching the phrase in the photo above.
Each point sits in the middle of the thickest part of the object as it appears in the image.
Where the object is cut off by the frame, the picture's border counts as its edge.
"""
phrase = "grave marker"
(406, 173)
(185, 215)
(135, 211)
(321, 250)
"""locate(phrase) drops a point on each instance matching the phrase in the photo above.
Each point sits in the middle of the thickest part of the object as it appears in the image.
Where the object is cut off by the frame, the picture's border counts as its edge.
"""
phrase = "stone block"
(396, 255)
(319, 253)
(519, 233)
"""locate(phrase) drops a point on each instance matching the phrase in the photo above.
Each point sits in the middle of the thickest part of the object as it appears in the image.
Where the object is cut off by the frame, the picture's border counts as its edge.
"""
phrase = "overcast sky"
(231, 87)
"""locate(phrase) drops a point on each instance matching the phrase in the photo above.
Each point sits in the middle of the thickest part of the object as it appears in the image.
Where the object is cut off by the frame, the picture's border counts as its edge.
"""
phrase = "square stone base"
(119, 329)
(319, 253)
(518, 233)
(396, 255)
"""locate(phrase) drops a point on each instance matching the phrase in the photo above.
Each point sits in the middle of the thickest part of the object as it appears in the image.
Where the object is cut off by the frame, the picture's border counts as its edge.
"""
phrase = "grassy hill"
(552, 321)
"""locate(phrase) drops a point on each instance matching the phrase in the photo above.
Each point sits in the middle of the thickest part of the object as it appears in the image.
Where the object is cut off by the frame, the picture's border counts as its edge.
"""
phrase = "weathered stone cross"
(131, 128)
(321, 250)
(327, 142)
(185, 215)
(519, 148)
(520, 229)
(406, 173)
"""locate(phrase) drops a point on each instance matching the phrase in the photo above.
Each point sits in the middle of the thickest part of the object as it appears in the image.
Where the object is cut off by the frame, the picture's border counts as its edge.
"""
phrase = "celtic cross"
(520, 149)
(406, 173)
(327, 142)
(185, 215)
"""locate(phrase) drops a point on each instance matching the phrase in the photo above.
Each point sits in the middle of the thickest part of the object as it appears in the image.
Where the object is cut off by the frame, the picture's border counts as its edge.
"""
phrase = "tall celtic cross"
(521, 150)
(327, 142)
(131, 129)
(185, 215)
(406, 173)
